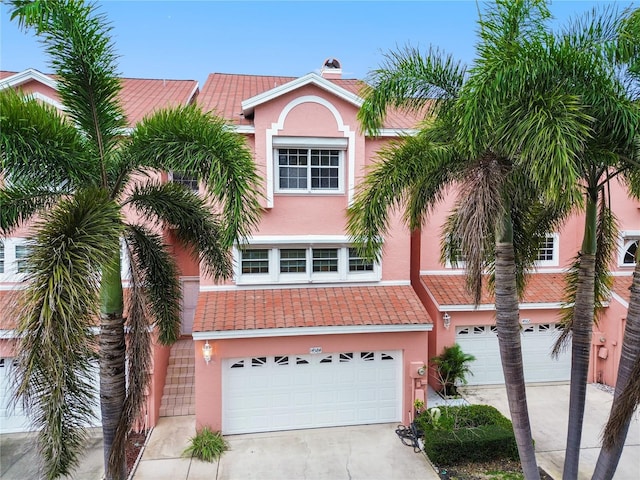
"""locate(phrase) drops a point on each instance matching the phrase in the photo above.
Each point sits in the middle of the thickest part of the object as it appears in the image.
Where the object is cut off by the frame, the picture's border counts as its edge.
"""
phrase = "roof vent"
(331, 69)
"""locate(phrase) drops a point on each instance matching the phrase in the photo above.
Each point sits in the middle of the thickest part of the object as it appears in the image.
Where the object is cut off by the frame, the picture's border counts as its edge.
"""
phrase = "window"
(1, 257)
(296, 263)
(293, 260)
(309, 169)
(255, 261)
(630, 252)
(325, 259)
(188, 181)
(357, 263)
(22, 253)
(548, 252)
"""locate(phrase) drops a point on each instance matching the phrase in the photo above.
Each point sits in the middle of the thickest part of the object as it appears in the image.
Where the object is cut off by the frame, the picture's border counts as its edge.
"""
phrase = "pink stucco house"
(307, 334)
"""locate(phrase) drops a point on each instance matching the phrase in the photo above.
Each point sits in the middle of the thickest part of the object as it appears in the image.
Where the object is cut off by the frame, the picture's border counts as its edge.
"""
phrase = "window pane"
(1, 257)
(325, 259)
(188, 181)
(546, 250)
(21, 256)
(325, 169)
(292, 172)
(255, 261)
(357, 263)
(293, 260)
(630, 253)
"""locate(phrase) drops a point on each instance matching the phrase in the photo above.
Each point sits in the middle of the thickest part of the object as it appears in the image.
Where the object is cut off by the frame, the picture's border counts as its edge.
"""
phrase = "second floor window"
(1, 257)
(22, 252)
(309, 170)
(188, 181)
(630, 252)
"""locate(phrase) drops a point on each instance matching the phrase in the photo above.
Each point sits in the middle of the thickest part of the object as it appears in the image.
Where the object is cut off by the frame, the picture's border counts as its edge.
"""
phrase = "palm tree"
(84, 186)
(510, 135)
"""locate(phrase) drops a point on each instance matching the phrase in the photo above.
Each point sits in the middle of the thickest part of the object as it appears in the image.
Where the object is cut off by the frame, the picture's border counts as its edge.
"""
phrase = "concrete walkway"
(549, 413)
(361, 452)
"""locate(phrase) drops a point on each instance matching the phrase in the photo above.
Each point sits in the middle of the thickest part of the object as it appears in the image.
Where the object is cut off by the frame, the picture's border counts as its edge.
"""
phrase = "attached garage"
(287, 392)
(537, 343)
(13, 418)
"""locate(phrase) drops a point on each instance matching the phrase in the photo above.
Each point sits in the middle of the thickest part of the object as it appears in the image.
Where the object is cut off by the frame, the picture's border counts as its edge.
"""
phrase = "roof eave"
(249, 104)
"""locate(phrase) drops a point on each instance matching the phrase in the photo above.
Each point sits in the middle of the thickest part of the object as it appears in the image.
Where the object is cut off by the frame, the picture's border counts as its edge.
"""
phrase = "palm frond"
(19, 202)
(37, 144)
(191, 220)
(76, 38)
(412, 81)
(56, 349)
(187, 140)
(157, 277)
(416, 169)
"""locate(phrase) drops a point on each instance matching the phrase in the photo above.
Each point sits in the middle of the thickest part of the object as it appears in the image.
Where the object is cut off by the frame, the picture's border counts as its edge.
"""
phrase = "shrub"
(207, 445)
(452, 368)
(472, 433)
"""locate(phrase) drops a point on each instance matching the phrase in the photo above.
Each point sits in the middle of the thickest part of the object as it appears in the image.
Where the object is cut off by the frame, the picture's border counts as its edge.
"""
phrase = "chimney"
(331, 69)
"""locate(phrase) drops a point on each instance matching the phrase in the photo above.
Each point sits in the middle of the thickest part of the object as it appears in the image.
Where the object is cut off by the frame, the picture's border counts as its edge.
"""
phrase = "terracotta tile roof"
(223, 93)
(451, 290)
(622, 286)
(142, 96)
(308, 307)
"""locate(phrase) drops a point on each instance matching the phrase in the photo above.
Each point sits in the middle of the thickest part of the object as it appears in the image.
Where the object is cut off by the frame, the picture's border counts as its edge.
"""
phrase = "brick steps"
(178, 396)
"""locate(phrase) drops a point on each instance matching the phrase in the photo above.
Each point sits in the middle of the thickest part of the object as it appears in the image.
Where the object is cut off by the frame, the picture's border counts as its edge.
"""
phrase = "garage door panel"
(347, 388)
(537, 342)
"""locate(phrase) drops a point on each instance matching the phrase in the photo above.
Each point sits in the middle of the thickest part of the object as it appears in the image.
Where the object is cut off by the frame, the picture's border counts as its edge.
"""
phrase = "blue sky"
(190, 39)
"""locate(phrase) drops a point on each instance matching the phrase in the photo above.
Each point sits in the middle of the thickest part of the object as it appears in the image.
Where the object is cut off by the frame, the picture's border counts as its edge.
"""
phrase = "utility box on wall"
(417, 369)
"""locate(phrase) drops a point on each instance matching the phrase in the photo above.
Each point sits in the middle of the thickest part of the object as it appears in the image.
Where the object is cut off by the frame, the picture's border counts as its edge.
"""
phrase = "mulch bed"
(135, 442)
(483, 471)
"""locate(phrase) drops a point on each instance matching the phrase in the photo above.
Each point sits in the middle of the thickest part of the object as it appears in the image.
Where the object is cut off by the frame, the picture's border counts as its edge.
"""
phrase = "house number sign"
(315, 350)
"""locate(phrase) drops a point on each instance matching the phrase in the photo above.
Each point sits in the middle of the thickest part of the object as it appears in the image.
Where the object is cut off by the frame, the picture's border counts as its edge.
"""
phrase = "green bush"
(472, 433)
(207, 445)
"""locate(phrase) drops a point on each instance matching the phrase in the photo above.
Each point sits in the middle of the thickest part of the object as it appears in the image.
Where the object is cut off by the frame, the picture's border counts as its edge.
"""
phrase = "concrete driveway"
(362, 452)
(549, 413)
(19, 458)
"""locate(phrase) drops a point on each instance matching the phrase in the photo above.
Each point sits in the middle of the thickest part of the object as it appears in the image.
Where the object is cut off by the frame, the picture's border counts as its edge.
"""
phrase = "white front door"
(481, 341)
(190, 291)
(290, 392)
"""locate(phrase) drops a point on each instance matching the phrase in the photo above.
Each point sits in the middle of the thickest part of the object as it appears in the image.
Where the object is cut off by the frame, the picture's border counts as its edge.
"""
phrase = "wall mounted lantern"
(207, 351)
(446, 320)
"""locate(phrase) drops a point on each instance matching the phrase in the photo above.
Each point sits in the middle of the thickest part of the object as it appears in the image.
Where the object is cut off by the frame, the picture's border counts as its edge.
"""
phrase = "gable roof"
(250, 310)
(234, 96)
(140, 96)
(450, 290)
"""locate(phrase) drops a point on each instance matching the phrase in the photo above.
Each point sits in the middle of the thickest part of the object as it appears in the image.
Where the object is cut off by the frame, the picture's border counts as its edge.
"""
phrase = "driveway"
(361, 452)
(549, 413)
(19, 458)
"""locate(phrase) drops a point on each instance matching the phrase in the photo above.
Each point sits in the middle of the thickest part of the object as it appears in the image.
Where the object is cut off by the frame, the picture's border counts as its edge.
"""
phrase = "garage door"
(287, 392)
(537, 343)
(12, 417)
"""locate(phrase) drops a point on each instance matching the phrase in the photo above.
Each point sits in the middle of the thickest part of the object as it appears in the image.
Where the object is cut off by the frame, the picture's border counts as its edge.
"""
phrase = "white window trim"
(348, 133)
(10, 273)
(274, 276)
(309, 190)
(625, 239)
(555, 261)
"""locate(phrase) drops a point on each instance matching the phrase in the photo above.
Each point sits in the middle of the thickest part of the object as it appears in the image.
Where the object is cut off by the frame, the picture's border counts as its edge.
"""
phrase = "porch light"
(446, 320)
(207, 350)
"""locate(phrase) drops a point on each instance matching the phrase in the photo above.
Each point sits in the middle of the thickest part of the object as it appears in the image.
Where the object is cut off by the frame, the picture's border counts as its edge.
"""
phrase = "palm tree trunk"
(508, 326)
(112, 362)
(581, 340)
(621, 413)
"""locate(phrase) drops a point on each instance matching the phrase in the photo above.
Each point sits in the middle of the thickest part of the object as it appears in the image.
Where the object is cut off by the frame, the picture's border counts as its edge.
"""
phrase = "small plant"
(206, 445)
(452, 367)
(418, 406)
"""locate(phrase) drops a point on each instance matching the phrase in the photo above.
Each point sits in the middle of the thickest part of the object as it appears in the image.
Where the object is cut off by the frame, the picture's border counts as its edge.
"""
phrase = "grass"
(206, 445)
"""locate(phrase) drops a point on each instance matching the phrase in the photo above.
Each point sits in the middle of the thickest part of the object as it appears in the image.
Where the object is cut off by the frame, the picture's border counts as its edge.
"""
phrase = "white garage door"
(287, 392)
(537, 343)
(12, 417)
